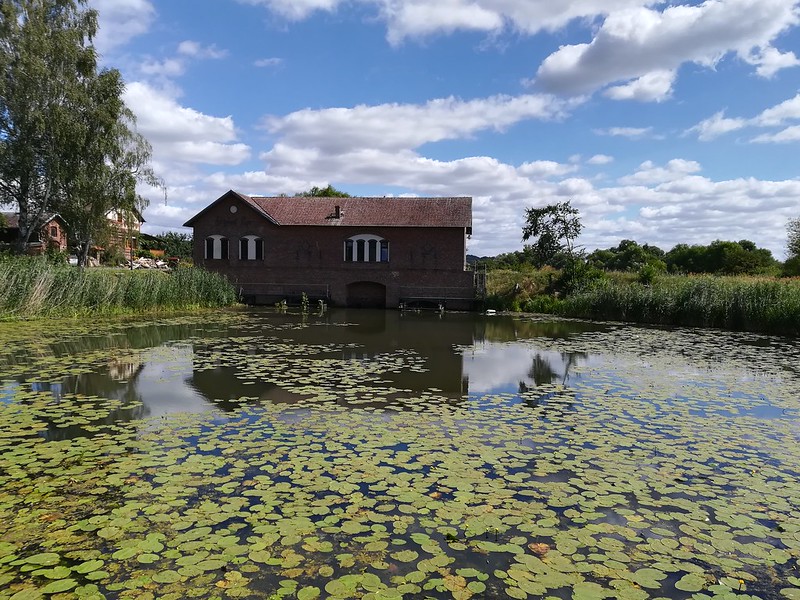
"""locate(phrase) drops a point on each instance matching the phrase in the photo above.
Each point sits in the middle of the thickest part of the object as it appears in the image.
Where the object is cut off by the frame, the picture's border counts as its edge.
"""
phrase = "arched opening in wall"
(366, 294)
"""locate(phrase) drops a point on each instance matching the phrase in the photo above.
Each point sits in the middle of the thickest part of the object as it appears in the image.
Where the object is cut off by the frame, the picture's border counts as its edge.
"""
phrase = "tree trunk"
(83, 254)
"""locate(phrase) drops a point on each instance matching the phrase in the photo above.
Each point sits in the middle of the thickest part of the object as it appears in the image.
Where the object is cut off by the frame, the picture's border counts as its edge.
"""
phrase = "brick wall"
(423, 262)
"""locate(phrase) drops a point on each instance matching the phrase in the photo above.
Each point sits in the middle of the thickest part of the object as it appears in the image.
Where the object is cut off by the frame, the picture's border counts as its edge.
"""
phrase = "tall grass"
(737, 303)
(743, 303)
(33, 287)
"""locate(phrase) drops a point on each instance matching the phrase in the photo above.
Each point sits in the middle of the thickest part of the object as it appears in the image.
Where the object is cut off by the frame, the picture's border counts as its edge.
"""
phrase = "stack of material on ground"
(148, 263)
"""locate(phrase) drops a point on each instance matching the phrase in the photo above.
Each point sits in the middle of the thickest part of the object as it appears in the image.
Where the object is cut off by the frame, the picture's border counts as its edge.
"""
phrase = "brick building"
(376, 252)
(51, 235)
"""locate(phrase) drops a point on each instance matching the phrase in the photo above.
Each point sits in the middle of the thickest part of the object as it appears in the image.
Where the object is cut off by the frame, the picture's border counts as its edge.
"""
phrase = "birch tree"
(45, 51)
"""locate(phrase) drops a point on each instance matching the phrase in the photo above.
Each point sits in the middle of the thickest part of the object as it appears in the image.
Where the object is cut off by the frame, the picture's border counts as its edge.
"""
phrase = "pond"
(371, 454)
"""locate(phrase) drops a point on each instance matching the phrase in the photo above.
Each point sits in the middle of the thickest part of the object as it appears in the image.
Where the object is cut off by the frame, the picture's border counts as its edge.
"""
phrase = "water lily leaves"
(59, 572)
(344, 587)
(260, 556)
(691, 582)
(147, 558)
(125, 553)
(211, 564)
(405, 556)
(88, 566)
(44, 559)
(308, 593)
(56, 587)
(599, 486)
(648, 577)
(28, 594)
(167, 576)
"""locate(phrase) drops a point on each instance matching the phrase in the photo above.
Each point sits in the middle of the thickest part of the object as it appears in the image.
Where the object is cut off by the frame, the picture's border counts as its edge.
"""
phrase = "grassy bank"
(738, 303)
(33, 288)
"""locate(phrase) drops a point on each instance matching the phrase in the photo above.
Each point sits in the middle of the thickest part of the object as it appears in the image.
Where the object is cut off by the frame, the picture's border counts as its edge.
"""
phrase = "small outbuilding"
(359, 252)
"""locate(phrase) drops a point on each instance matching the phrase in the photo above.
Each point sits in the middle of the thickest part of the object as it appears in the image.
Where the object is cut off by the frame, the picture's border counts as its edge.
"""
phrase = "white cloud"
(638, 41)
(121, 21)
(716, 125)
(769, 61)
(790, 134)
(780, 113)
(422, 17)
(181, 134)
(197, 50)
(775, 116)
(600, 159)
(399, 126)
(651, 87)
(673, 201)
(649, 173)
(268, 62)
(168, 68)
(628, 132)
(296, 9)
(545, 169)
(415, 18)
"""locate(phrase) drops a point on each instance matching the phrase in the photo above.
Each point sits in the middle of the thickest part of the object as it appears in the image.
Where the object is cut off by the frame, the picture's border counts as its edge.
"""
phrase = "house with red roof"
(360, 252)
(52, 235)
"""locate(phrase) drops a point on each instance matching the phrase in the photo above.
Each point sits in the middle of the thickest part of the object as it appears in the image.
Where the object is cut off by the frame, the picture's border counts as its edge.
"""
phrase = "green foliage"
(45, 57)
(67, 140)
(522, 260)
(576, 276)
(627, 256)
(791, 268)
(793, 241)
(326, 192)
(32, 287)
(304, 303)
(506, 287)
(171, 242)
(113, 256)
(648, 273)
(555, 228)
(721, 257)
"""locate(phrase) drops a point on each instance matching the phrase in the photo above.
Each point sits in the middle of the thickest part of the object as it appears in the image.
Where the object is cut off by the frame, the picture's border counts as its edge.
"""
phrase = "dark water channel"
(380, 454)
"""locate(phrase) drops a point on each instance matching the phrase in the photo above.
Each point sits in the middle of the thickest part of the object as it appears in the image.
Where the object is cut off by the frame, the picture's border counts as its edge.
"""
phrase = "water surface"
(381, 454)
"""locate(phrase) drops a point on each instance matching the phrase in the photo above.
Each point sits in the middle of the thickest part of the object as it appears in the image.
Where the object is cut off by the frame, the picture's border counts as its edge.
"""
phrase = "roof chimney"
(337, 212)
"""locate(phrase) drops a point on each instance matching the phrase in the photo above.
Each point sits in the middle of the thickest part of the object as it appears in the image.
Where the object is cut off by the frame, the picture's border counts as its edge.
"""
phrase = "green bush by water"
(738, 303)
(34, 287)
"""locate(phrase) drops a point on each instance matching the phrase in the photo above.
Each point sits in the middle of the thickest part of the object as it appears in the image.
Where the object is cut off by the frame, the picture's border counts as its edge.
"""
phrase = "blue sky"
(661, 122)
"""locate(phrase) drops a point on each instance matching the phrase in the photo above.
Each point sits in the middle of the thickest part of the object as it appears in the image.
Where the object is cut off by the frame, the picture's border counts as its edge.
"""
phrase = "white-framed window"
(216, 247)
(251, 247)
(366, 248)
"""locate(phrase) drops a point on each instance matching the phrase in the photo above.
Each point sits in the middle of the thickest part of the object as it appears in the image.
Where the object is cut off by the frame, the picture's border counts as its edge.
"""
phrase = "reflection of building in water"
(453, 353)
(429, 361)
(124, 369)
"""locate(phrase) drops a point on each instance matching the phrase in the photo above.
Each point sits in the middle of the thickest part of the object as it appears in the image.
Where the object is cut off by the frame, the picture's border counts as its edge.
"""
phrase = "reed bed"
(33, 288)
(736, 303)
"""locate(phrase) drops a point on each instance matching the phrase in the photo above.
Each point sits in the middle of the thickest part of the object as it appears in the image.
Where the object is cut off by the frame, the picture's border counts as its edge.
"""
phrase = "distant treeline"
(719, 258)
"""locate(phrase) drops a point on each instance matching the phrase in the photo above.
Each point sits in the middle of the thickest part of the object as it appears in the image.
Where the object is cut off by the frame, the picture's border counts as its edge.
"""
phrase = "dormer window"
(366, 248)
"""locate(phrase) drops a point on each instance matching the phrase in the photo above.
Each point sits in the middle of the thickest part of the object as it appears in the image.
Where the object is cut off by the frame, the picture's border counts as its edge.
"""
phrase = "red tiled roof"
(12, 219)
(367, 212)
